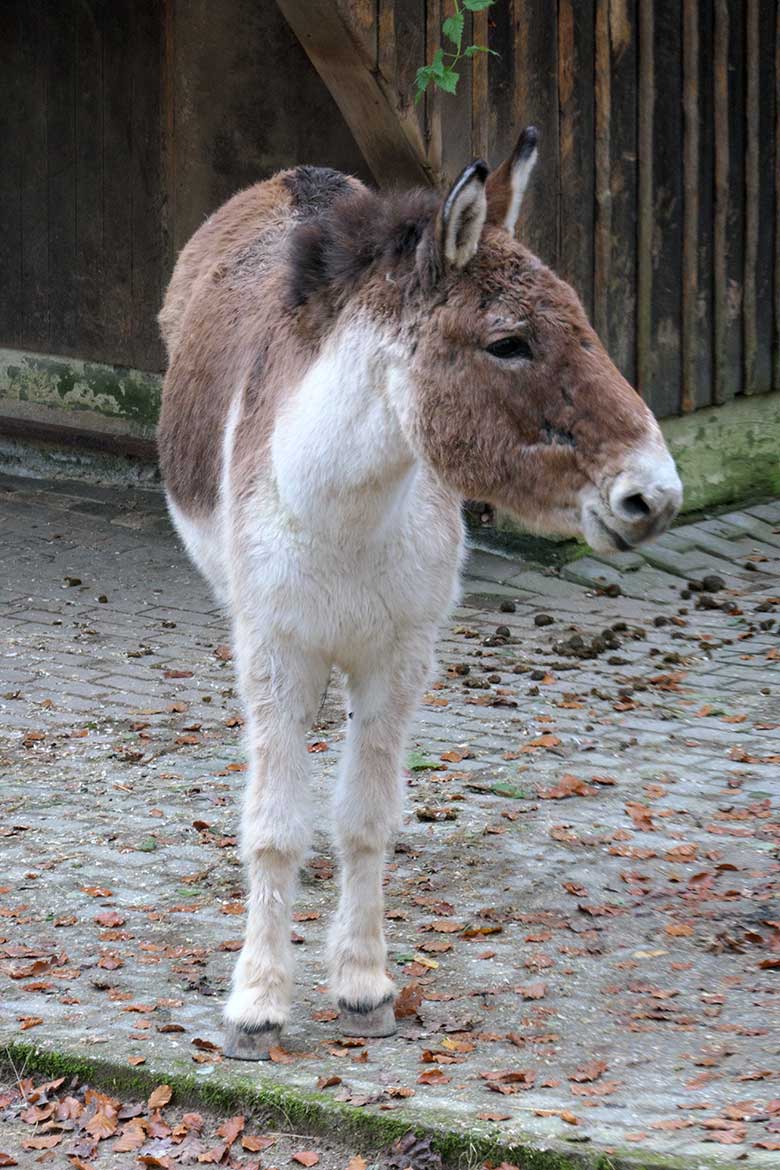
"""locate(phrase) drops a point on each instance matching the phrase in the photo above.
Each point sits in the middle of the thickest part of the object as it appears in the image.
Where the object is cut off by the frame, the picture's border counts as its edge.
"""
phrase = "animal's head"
(498, 378)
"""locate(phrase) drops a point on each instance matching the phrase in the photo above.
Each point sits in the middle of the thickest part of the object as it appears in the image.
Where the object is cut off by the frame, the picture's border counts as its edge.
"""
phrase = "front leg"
(281, 687)
(367, 808)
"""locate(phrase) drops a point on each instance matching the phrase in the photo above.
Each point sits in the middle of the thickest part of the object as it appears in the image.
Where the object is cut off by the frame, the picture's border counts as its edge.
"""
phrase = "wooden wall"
(656, 193)
(123, 123)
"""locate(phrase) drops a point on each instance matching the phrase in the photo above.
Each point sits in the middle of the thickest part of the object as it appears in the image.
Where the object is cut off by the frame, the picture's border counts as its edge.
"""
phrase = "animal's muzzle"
(645, 498)
(637, 504)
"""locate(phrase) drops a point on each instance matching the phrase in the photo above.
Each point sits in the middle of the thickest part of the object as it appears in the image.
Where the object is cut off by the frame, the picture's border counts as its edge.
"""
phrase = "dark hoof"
(250, 1042)
(359, 1019)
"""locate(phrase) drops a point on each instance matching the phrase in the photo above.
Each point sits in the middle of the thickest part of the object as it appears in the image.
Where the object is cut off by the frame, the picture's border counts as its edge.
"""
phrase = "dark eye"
(511, 347)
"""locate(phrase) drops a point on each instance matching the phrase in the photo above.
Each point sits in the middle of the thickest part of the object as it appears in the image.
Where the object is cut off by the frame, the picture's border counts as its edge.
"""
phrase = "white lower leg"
(281, 692)
(367, 812)
(358, 952)
(262, 978)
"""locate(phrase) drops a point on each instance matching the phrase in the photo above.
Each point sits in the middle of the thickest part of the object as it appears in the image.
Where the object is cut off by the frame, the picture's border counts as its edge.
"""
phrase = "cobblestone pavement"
(584, 902)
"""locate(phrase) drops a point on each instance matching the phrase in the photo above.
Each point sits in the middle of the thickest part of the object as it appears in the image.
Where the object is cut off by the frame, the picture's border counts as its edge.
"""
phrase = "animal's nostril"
(635, 506)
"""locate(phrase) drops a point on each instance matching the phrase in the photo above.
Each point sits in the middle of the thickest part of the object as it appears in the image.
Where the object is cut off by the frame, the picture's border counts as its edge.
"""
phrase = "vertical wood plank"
(503, 124)
(776, 333)
(690, 285)
(479, 89)
(34, 194)
(146, 164)
(168, 138)
(456, 125)
(751, 195)
(61, 139)
(433, 99)
(721, 116)
(535, 49)
(118, 182)
(645, 366)
(602, 245)
(89, 181)
(665, 388)
(763, 65)
(733, 382)
(702, 388)
(621, 336)
(576, 51)
(11, 148)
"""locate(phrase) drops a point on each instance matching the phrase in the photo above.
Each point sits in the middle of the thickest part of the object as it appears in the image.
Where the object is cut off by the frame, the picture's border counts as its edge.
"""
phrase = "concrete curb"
(462, 1148)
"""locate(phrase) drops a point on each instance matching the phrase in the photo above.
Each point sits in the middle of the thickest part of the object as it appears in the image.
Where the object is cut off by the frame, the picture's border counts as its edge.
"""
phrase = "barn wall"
(123, 123)
(657, 189)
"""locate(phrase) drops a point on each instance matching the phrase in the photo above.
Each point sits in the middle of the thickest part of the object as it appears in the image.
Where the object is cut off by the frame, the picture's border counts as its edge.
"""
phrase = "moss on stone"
(75, 385)
(298, 1110)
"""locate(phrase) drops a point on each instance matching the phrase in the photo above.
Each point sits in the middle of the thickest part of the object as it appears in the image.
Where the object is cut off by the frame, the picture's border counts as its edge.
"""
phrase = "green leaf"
(437, 64)
(148, 845)
(448, 81)
(452, 28)
(478, 5)
(417, 761)
(472, 50)
(423, 77)
(501, 788)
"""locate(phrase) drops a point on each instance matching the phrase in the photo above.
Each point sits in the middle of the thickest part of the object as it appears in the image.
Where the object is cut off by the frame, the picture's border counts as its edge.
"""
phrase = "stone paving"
(584, 901)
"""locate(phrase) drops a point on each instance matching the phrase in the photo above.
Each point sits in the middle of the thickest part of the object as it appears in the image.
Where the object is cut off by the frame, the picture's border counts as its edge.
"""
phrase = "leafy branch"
(441, 73)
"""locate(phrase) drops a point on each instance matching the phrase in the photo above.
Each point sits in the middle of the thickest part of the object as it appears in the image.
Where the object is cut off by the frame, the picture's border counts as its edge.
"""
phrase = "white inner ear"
(464, 218)
(520, 174)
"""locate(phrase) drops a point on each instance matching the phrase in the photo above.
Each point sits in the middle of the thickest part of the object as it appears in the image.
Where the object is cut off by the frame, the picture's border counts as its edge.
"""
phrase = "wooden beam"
(387, 133)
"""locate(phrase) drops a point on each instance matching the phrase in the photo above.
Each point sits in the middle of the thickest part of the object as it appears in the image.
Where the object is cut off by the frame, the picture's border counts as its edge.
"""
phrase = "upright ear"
(506, 186)
(462, 216)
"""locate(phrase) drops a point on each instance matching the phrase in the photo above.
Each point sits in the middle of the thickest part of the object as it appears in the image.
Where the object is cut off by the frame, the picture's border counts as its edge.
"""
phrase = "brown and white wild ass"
(345, 367)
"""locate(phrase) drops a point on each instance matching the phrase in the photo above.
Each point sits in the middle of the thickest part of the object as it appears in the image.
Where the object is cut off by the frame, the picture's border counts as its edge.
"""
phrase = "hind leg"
(201, 536)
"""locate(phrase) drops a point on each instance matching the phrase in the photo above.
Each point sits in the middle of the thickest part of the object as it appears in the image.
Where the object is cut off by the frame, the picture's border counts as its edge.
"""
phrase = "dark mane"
(356, 232)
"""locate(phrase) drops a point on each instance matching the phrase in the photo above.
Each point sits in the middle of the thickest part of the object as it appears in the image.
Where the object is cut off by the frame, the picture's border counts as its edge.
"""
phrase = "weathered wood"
(11, 150)
(733, 383)
(765, 209)
(503, 124)
(456, 125)
(90, 332)
(363, 15)
(645, 364)
(34, 185)
(690, 284)
(61, 139)
(775, 338)
(433, 98)
(576, 51)
(118, 183)
(168, 137)
(147, 177)
(656, 194)
(621, 334)
(386, 130)
(535, 49)
(702, 389)
(720, 242)
(480, 118)
(751, 194)
(602, 242)
(776, 334)
(666, 381)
